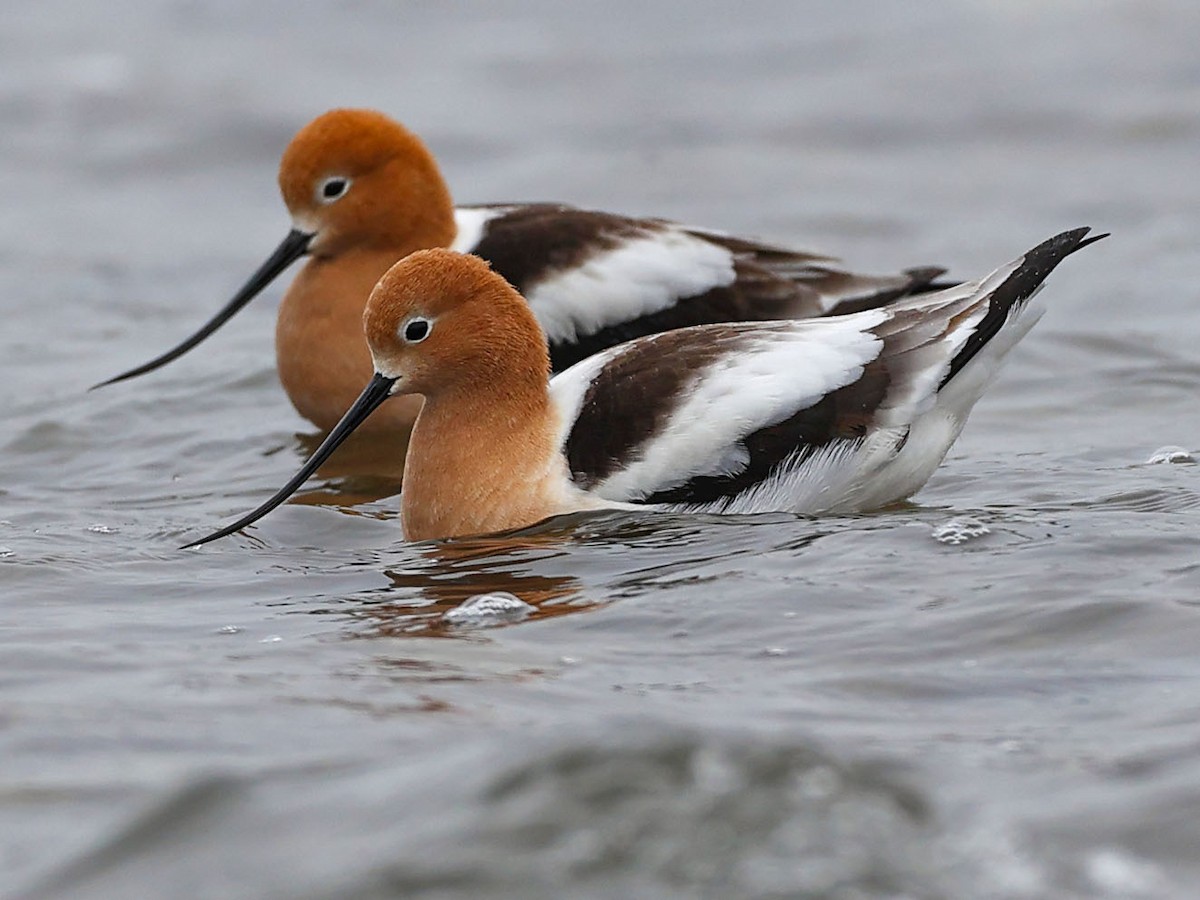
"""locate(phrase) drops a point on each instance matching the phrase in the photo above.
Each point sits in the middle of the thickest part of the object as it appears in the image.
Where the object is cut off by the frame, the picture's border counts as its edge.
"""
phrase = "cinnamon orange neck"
(481, 463)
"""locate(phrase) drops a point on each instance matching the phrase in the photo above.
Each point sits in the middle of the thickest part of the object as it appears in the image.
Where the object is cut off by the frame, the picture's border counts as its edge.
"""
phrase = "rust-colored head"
(353, 178)
(442, 321)
(446, 326)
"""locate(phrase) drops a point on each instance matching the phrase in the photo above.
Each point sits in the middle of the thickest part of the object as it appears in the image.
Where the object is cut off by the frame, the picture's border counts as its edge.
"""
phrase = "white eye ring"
(416, 330)
(332, 189)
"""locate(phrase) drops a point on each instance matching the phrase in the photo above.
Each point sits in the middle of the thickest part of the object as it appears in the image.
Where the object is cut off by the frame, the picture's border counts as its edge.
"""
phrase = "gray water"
(697, 707)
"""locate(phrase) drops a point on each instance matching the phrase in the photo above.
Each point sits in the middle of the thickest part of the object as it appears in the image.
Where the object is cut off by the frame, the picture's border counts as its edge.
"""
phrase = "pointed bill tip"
(204, 540)
(290, 249)
(132, 373)
(377, 390)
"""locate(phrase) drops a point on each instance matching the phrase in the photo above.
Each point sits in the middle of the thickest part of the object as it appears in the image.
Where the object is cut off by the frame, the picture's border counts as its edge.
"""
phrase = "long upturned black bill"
(292, 248)
(378, 389)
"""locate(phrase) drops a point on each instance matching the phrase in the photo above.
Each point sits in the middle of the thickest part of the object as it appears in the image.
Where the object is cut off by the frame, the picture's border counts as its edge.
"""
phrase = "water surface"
(699, 706)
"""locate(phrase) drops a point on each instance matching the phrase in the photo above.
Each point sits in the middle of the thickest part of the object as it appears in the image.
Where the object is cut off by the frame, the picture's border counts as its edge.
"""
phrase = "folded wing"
(596, 279)
(844, 412)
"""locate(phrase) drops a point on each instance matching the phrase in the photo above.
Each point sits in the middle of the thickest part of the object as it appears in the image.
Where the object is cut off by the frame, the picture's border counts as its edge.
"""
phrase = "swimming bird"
(834, 415)
(363, 192)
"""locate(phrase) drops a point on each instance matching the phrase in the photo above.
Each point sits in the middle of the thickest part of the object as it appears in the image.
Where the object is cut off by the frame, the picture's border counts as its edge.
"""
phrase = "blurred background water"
(991, 693)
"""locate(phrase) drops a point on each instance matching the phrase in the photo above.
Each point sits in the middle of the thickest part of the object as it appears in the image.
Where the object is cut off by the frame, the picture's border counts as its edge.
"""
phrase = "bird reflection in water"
(449, 573)
(364, 469)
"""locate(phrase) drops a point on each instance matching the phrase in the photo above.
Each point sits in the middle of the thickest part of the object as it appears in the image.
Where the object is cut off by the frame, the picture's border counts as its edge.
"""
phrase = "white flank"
(471, 221)
(815, 484)
(784, 372)
(641, 276)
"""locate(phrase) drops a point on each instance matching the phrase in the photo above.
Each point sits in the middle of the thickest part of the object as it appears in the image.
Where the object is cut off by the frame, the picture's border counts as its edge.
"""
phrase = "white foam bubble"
(959, 531)
(488, 611)
(1171, 454)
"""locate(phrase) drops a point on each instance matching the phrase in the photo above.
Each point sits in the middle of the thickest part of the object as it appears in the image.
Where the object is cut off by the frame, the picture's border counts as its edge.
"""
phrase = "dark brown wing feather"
(530, 243)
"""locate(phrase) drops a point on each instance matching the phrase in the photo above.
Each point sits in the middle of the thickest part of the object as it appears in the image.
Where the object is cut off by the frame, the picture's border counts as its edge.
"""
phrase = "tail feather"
(863, 292)
(1017, 289)
(944, 348)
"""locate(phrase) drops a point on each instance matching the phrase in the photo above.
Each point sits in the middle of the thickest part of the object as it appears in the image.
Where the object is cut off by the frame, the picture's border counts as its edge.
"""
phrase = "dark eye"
(333, 188)
(416, 331)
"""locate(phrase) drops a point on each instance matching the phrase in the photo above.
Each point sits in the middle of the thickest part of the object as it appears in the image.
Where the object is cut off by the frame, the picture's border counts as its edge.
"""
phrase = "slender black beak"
(293, 247)
(378, 389)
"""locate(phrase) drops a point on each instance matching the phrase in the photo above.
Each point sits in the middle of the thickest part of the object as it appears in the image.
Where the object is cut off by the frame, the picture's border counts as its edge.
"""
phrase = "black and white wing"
(828, 415)
(595, 279)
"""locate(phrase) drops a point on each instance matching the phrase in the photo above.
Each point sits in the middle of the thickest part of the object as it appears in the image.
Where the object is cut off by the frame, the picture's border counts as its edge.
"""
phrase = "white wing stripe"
(641, 276)
(471, 222)
(789, 370)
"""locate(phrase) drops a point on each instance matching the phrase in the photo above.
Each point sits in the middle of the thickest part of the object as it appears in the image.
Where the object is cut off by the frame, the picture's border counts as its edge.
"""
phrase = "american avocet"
(364, 192)
(834, 415)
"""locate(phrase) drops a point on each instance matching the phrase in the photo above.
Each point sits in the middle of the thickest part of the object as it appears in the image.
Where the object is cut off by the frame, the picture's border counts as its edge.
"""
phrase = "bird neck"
(483, 459)
(320, 351)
